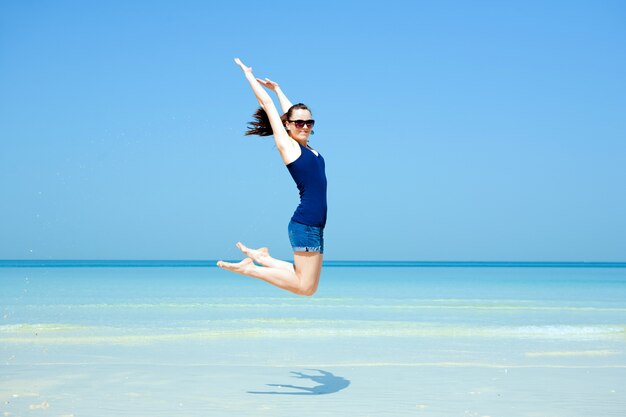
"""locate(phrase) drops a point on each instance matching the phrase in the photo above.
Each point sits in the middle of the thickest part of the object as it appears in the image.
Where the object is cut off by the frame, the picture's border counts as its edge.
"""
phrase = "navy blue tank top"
(308, 171)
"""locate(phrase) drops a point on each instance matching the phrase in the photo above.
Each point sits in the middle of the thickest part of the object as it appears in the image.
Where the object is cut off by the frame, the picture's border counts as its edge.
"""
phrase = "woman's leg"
(301, 278)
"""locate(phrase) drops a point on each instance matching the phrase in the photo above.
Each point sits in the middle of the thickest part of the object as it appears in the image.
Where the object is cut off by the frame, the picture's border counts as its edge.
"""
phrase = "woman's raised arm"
(287, 147)
(285, 103)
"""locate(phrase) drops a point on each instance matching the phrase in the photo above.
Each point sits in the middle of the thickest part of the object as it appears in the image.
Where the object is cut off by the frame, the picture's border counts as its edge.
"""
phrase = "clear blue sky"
(452, 130)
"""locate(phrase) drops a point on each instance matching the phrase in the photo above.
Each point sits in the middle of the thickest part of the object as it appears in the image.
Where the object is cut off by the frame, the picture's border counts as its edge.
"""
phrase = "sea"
(185, 338)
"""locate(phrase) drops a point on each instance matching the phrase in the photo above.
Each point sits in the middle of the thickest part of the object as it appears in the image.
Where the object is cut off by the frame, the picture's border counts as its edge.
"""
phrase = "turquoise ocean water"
(439, 339)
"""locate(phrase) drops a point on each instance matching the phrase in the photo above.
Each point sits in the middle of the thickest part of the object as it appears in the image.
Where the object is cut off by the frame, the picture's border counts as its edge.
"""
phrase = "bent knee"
(308, 291)
(307, 282)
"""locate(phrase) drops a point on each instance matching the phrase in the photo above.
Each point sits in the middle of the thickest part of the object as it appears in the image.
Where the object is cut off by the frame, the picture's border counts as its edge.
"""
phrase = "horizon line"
(120, 263)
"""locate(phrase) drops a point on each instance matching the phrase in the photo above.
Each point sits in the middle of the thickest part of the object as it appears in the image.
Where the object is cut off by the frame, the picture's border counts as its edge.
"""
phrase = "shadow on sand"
(328, 384)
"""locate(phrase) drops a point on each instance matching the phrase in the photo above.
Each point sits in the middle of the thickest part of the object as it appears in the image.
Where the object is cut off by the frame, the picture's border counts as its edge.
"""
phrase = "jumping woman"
(291, 133)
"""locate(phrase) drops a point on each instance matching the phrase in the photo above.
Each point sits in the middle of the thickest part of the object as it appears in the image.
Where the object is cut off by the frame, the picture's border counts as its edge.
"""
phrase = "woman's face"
(299, 133)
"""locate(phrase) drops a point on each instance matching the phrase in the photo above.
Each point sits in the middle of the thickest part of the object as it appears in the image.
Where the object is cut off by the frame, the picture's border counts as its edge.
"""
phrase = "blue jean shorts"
(305, 238)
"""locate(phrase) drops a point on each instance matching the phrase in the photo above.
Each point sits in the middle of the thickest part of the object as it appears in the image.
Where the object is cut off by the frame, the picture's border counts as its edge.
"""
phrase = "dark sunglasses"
(300, 123)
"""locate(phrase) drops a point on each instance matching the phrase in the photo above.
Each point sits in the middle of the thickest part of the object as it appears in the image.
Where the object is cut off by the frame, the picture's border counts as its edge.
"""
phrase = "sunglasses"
(301, 123)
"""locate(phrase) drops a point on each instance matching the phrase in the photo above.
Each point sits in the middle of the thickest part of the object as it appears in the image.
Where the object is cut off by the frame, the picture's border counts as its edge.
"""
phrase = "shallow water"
(374, 340)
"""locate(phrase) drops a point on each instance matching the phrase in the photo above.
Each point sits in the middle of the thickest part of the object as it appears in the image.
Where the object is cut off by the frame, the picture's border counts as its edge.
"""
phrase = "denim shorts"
(305, 238)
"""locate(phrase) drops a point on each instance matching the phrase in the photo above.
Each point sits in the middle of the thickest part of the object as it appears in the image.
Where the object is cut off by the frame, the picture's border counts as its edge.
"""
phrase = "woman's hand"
(245, 69)
(269, 84)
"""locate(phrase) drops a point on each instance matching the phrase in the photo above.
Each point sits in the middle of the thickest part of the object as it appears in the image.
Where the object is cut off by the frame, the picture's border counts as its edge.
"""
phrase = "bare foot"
(239, 267)
(257, 255)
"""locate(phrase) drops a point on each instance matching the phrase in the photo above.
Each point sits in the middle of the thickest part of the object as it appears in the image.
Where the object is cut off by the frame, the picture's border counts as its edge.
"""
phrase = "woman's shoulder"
(291, 153)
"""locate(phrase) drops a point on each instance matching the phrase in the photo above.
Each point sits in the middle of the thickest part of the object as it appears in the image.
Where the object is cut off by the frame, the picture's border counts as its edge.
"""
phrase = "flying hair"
(260, 125)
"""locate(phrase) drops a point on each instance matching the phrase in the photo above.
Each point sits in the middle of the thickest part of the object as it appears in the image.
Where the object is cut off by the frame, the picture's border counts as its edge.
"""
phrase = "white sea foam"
(297, 328)
(569, 353)
(42, 328)
(341, 303)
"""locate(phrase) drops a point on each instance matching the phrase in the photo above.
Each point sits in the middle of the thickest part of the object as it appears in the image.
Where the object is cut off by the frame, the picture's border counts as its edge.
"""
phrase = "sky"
(451, 130)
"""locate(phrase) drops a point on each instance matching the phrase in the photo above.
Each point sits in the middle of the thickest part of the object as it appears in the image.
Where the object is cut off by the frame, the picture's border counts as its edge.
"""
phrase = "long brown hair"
(261, 124)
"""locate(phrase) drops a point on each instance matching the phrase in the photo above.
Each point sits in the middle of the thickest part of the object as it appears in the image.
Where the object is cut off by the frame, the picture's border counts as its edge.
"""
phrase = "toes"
(224, 265)
(237, 267)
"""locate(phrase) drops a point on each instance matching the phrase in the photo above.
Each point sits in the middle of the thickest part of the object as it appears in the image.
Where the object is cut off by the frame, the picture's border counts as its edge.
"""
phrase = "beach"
(376, 340)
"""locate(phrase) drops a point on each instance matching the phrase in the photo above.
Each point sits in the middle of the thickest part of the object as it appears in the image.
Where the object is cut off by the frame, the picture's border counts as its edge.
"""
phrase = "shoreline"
(138, 263)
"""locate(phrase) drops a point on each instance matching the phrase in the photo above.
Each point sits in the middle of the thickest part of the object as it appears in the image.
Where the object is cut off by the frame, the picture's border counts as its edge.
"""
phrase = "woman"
(306, 229)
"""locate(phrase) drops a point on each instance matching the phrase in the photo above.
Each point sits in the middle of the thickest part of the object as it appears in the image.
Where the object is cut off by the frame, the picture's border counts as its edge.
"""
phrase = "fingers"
(266, 81)
(241, 64)
(271, 83)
